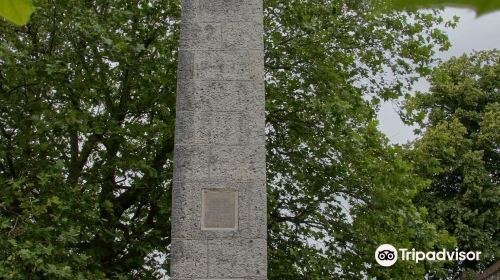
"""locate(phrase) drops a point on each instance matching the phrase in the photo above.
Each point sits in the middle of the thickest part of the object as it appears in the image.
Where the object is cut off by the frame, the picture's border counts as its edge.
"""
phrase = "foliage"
(336, 188)
(459, 152)
(87, 93)
(16, 11)
(481, 6)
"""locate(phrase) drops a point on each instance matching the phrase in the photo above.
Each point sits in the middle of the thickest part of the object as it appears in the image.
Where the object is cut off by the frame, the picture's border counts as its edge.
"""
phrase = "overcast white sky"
(472, 33)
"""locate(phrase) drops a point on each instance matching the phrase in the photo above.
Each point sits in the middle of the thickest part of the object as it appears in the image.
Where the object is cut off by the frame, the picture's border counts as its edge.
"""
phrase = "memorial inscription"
(219, 210)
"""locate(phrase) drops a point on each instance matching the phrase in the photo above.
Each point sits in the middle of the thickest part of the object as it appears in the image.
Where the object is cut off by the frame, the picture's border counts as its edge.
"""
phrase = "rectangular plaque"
(219, 209)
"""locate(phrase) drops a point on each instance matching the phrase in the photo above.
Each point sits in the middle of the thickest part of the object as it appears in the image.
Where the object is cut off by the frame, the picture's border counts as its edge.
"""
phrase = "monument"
(219, 191)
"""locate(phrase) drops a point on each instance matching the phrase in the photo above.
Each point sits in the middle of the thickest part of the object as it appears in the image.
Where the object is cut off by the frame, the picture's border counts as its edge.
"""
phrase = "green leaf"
(481, 6)
(54, 200)
(16, 11)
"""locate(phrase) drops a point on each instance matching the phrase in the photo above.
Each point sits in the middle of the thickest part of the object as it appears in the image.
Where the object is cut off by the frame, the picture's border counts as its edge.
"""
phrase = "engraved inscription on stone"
(219, 210)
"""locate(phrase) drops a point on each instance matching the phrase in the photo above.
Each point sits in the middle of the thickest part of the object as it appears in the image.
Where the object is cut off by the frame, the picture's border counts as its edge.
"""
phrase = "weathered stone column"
(219, 194)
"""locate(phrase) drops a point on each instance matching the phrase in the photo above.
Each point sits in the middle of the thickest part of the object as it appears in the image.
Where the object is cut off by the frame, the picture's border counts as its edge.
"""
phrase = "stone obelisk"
(219, 191)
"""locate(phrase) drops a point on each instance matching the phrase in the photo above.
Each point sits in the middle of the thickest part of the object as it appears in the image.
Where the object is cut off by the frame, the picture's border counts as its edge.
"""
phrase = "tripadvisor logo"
(386, 255)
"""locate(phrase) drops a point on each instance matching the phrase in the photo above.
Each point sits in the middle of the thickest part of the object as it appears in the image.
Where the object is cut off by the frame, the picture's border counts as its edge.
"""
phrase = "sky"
(472, 33)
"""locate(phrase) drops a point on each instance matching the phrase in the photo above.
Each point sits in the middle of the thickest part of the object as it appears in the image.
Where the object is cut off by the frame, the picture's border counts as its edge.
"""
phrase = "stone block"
(220, 95)
(193, 127)
(188, 10)
(186, 66)
(229, 65)
(200, 36)
(238, 128)
(186, 217)
(226, 129)
(191, 162)
(253, 210)
(220, 128)
(189, 258)
(253, 128)
(187, 96)
(228, 10)
(241, 163)
(243, 35)
(237, 258)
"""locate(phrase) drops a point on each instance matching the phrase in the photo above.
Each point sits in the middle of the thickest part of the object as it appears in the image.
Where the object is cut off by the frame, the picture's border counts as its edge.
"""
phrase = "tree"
(87, 97)
(324, 61)
(87, 94)
(459, 153)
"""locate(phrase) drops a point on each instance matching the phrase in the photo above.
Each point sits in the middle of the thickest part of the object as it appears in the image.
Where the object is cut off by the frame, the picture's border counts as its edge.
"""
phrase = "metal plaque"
(219, 209)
